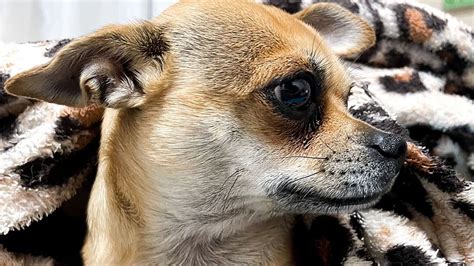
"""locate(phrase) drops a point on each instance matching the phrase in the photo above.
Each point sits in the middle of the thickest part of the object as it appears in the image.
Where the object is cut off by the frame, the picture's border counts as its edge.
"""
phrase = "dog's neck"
(233, 240)
(150, 217)
(194, 232)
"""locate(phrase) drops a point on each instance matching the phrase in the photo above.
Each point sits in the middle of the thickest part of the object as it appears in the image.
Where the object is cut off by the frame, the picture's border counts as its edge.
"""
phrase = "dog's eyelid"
(287, 77)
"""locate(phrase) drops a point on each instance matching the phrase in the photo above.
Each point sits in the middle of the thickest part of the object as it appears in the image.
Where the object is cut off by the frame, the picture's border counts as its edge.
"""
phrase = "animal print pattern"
(47, 151)
(417, 81)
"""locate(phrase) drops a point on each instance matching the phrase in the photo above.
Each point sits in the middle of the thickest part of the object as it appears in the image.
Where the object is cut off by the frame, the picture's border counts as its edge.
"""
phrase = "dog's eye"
(295, 97)
(293, 94)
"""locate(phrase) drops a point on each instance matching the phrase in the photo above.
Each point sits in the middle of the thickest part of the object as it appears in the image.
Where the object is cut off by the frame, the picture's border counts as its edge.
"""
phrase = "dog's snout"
(389, 145)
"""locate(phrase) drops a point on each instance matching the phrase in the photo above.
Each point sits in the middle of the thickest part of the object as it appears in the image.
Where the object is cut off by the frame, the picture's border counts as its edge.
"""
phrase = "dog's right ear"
(105, 67)
(347, 34)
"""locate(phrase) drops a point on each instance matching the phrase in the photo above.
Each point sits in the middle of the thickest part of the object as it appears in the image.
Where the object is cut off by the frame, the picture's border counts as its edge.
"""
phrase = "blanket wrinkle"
(416, 81)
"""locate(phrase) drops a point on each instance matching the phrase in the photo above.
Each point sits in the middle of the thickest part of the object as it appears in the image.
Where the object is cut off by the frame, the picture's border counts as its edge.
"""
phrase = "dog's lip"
(304, 195)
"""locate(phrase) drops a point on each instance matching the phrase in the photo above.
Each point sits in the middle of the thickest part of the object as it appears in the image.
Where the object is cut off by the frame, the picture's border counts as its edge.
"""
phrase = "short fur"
(196, 165)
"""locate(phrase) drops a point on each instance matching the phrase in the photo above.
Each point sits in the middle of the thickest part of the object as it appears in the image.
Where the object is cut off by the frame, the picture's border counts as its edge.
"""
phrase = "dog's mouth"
(304, 199)
(302, 195)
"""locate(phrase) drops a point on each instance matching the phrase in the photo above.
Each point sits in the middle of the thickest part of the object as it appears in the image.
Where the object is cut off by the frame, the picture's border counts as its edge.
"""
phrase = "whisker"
(228, 193)
(348, 137)
(357, 58)
(304, 157)
(312, 52)
(325, 144)
(303, 177)
(236, 172)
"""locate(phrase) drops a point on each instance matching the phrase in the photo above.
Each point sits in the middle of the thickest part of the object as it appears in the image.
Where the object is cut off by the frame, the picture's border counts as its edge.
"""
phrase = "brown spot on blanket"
(87, 116)
(433, 170)
(416, 157)
(418, 30)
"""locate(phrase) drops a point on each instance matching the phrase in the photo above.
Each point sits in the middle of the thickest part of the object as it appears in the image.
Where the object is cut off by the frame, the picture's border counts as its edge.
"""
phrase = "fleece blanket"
(417, 81)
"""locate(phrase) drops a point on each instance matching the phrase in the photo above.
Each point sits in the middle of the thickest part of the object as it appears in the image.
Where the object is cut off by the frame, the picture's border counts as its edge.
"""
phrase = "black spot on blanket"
(364, 254)
(403, 83)
(428, 136)
(425, 134)
(326, 242)
(389, 125)
(449, 160)
(53, 50)
(8, 122)
(407, 255)
(391, 203)
(462, 135)
(290, 6)
(356, 221)
(465, 207)
(66, 127)
(442, 176)
(331, 240)
(377, 21)
(395, 58)
(450, 55)
(403, 25)
(456, 87)
(409, 189)
(4, 97)
(368, 55)
(7, 126)
(433, 22)
(368, 111)
(3, 78)
(57, 170)
(302, 243)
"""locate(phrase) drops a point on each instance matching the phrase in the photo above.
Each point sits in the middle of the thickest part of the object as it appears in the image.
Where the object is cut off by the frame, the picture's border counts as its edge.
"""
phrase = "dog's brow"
(317, 64)
(318, 68)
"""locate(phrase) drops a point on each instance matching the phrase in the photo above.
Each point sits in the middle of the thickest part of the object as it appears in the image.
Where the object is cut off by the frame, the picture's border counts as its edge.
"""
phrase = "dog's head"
(236, 101)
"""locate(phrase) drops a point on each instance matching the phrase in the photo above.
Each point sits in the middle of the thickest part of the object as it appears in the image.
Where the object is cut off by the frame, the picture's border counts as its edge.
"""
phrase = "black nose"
(389, 145)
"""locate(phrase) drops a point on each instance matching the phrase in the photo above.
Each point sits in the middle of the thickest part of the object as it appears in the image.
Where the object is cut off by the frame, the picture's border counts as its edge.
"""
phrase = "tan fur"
(192, 153)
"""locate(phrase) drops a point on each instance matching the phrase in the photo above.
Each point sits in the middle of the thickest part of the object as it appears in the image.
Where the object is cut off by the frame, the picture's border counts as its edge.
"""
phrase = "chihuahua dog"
(224, 120)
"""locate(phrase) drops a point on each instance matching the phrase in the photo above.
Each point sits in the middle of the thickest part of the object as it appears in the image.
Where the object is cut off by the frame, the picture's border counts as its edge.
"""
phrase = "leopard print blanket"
(417, 81)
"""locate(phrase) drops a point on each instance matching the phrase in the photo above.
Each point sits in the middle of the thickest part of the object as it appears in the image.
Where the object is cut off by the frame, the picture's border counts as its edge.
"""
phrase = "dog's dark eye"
(293, 94)
(295, 97)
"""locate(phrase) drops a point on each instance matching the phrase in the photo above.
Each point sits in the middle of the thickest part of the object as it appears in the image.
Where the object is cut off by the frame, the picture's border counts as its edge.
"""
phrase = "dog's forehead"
(229, 41)
(232, 26)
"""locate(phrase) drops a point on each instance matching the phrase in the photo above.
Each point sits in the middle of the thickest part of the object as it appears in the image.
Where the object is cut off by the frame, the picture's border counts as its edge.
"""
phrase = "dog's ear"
(346, 33)
(106, 67)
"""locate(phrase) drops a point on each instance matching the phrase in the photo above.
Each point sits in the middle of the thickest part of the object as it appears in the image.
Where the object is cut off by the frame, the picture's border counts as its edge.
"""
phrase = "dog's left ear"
(346, 33)
(107, 67)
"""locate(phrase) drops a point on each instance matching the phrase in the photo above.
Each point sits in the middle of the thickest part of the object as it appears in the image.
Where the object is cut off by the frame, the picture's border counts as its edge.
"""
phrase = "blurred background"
(34, 20)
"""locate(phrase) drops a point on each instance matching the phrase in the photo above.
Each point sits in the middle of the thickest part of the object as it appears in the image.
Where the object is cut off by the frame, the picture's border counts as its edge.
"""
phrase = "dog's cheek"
(263, 122)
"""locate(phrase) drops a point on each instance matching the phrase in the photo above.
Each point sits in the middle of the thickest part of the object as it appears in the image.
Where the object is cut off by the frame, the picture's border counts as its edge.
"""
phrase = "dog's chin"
(308, 202)
(305, 200)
